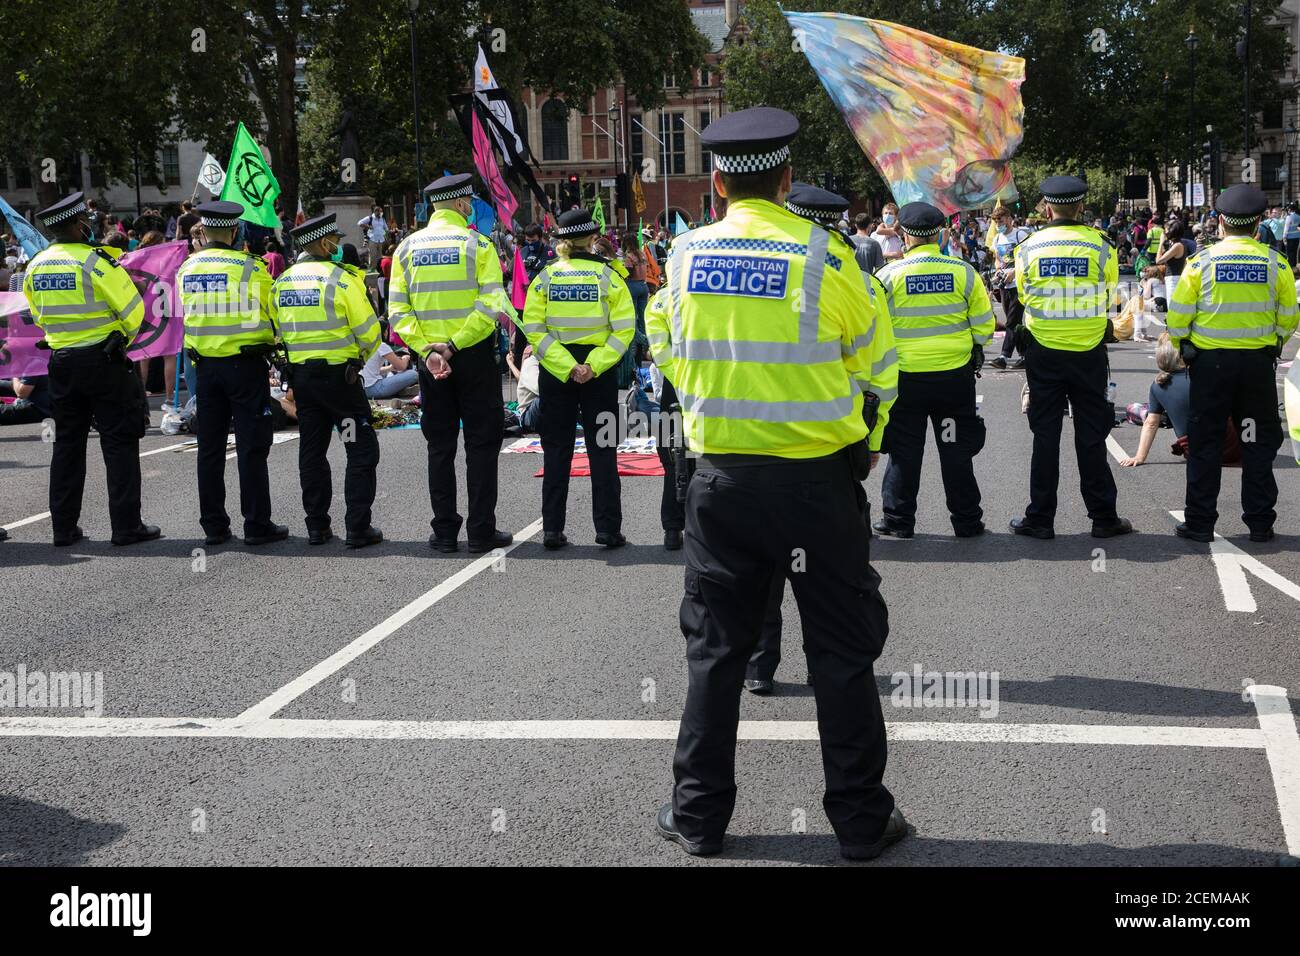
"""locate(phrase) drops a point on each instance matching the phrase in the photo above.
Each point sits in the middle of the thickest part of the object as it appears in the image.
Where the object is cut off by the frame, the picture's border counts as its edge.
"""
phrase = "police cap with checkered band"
(750, 141)
(920, 219)
(1242, 204)
(1063, 190)
(812, 202)
(220, 215)
(63, 210)
(447, 188)
(313, 229)
(575, 224)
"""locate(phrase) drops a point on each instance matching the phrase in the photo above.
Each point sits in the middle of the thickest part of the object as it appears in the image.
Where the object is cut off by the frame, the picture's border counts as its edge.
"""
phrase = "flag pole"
(663, 172)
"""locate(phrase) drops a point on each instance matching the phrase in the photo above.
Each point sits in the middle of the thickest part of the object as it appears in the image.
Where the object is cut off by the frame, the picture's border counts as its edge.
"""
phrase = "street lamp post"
(1164, 142)
(414, 6)
(1291, 135)
(1192, 42)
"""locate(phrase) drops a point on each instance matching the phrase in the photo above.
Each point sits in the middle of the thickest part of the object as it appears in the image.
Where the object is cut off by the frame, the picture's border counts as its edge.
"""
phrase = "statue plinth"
(349, 209)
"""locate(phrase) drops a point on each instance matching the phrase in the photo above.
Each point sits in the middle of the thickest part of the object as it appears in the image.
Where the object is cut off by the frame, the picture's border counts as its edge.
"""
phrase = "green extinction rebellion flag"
(250, 182)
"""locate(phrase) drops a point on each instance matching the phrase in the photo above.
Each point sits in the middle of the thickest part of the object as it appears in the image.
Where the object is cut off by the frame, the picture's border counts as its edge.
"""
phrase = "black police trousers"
(744, 525)
(327, 402)
(1237, 384)
(672, 513)
(1056, 376)
(597, 402)
(86, 384)
(471, 396)
(234, 387)
(1014, 310)
(945, 400)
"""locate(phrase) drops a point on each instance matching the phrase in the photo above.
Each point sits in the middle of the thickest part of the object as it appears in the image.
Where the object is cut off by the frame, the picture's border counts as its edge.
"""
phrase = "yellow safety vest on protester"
(1066, 276)
(322, 312)
(1237, 294)
(579, 301)
(226, 299)
(940, 309)
(79, 296)
(446, 285)
(1154, 235)
(766, 334)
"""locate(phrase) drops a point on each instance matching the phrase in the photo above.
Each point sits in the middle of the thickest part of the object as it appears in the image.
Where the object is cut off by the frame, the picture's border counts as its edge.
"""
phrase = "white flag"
(211, 176)
(484, 80)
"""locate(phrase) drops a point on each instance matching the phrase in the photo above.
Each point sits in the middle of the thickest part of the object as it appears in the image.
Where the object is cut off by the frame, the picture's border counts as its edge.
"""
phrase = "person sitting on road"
(386, 380)
(32, 405)
(1170, 395)
(529, 408)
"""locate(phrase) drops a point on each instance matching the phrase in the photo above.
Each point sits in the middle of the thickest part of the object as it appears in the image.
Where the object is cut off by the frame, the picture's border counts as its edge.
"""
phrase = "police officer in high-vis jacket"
(580, 319)
(226, 298)
(1066, 274)
(1232, 311)
(766, 336)
(444, 297)
(90, 312)
(826, 209)
(329, 330)
(942, 321)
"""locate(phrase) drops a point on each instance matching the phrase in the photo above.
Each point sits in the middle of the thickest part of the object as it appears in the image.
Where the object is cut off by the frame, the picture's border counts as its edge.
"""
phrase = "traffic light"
(571, 194)
(1210, 164)
(622, 199)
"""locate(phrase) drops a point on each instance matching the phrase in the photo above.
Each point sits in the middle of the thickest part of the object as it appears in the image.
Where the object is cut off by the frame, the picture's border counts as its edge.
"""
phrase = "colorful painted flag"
(250, 182)
(486, 163)
(26, 234)
(939, 120)
(152, 269)
(598, 214)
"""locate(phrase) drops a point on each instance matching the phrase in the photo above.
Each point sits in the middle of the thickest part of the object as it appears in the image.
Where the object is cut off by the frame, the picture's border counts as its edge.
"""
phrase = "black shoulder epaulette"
(107, 258)
(1106, 237)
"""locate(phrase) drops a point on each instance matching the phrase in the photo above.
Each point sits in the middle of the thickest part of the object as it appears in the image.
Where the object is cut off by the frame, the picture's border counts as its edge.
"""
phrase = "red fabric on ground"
(630, 465)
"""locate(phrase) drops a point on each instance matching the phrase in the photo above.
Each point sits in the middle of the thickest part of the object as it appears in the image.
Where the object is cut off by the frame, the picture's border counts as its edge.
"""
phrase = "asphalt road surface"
(396, 706)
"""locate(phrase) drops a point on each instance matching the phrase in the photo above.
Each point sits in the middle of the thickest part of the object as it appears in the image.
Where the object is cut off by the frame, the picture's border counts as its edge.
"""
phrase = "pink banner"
(153, 270)
(519, 282)
(486, 163)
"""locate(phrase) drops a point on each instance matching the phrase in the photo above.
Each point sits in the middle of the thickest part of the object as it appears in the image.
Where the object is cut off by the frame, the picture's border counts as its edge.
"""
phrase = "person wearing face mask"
(329, 330)
(443, 300)
(887, 235)
(90, 311)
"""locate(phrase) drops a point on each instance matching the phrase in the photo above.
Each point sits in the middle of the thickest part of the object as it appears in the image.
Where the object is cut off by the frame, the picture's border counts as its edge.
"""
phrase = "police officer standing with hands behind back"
(1233, 309)
(444, 298)
(329, 330)
(226, 298)
(942, 321)
(765, 334)
(90, 312)
(1066, 274)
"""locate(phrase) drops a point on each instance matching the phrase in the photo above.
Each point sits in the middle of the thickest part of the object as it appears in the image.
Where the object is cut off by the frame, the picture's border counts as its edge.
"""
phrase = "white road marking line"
(1116, 450)
(341, 658)
(1282, 747)
(180, 446)
(1231, 565)
(32, 520)
(914, 731)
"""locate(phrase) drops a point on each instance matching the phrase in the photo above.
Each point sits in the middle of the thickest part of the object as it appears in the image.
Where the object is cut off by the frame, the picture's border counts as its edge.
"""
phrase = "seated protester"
(1176, 249)
(529, 408)
(399, 377)
(33, 401)
(1170, 396)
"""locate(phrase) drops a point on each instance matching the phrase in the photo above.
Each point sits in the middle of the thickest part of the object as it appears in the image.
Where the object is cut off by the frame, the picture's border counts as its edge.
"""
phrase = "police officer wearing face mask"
(90, 311)
(329, 330)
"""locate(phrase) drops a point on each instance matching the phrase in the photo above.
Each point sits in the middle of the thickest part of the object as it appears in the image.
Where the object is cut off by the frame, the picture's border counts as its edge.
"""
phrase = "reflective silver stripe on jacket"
(771, 353)
(922, 332)
(748, 409)
(1211, 332)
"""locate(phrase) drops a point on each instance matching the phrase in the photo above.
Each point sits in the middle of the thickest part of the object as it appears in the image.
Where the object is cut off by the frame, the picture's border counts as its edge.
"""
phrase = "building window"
(1271, 117)
(670, 81)
(555, 130)
(171, 165)
(595, 144)
(637, 141)
(705, 78)
(1271, 163)
(706, 157)
(672, 154)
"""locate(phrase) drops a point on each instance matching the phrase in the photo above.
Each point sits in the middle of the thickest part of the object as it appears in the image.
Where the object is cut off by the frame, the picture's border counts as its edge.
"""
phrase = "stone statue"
(349, 149)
